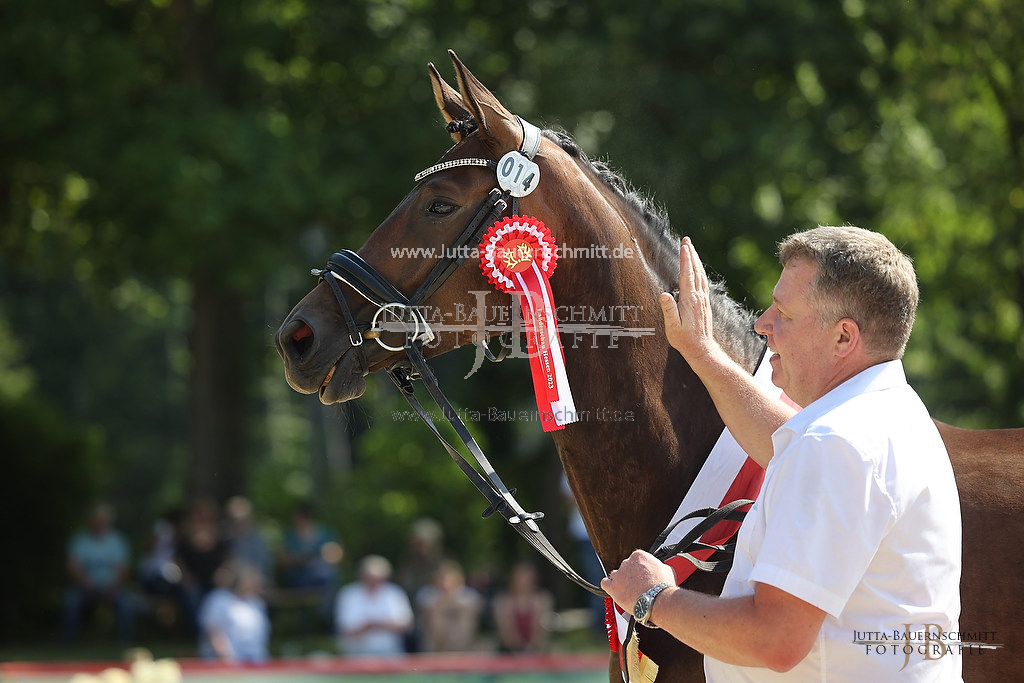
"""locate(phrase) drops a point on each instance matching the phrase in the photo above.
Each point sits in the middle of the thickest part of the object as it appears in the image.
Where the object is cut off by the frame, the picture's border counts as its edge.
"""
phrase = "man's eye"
(442, 207)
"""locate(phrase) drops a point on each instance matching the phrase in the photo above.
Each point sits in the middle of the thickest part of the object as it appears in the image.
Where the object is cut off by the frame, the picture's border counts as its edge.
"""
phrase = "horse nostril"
(302, 339)
(297, 339)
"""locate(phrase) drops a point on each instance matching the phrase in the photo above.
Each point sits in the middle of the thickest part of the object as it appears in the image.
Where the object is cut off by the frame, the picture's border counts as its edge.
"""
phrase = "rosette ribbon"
(518, 256)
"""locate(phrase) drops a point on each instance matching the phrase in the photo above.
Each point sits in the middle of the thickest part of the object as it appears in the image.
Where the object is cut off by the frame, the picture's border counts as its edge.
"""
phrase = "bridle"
(349, 267)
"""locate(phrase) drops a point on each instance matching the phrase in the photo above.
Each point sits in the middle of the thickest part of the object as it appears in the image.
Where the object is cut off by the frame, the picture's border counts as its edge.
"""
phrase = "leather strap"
(348, 267)
(493, 206)
(489, 484)
(690, 542)
(531, 138)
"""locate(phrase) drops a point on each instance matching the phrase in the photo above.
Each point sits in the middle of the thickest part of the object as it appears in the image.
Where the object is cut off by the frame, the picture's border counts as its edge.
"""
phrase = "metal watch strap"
(651, 594)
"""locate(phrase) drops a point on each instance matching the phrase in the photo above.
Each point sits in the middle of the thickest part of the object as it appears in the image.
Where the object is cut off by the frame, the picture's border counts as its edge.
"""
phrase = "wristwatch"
(642, 609)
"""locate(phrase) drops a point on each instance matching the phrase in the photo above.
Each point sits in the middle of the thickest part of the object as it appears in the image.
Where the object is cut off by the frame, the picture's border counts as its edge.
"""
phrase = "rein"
(349, 267)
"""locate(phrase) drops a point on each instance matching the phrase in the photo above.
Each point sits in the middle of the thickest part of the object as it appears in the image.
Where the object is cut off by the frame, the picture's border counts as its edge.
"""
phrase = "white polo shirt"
(356, 607)
(859, 515)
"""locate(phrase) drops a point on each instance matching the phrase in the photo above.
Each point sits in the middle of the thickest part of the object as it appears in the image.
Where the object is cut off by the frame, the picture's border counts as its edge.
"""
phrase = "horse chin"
(346, 381)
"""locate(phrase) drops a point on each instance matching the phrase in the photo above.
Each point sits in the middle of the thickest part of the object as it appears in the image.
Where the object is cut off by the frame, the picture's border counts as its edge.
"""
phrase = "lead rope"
(489, 484)
(690, 543)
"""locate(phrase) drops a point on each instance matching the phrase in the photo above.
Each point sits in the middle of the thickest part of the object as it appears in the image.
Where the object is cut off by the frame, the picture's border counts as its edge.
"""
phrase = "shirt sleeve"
(212, 611)
(400, 606)
(825, 513)
(344, 617)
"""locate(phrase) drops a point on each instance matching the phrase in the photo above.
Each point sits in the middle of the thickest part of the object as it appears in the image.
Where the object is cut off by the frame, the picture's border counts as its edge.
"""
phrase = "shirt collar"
(886, 375)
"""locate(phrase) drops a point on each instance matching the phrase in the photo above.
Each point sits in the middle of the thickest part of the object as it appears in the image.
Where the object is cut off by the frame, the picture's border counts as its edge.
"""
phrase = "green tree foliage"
(946, 173)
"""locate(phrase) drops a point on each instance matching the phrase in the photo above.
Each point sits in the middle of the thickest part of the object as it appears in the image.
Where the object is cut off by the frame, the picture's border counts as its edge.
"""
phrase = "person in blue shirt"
(98, 566)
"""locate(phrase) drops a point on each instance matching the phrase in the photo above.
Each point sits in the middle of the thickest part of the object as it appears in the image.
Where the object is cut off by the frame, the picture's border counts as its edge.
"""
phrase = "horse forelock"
(463, 127)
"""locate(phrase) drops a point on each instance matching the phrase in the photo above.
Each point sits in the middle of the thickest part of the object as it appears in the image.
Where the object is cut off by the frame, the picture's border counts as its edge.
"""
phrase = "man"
(233, 622)
(98, 566)
(373, 615)
(856, 532)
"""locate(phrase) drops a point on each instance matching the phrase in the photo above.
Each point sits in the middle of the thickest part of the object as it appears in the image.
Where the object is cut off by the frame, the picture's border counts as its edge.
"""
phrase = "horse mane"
(734, 324)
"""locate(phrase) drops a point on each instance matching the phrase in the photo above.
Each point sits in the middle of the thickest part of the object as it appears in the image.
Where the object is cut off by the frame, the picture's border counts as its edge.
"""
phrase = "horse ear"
(494, 120)
(448, 99)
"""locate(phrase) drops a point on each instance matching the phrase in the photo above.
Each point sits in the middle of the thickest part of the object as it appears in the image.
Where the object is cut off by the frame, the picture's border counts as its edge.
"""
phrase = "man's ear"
(848, 338)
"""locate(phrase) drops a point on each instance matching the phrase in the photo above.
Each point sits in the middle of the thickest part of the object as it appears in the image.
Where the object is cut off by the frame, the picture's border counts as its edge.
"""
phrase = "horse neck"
(646, 422)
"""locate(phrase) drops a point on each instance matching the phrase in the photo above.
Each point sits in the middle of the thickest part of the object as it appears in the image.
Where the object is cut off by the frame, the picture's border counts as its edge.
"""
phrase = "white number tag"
(517, 174)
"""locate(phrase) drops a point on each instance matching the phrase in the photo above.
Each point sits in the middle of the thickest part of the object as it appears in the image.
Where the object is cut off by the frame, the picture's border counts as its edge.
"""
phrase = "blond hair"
(861, 275)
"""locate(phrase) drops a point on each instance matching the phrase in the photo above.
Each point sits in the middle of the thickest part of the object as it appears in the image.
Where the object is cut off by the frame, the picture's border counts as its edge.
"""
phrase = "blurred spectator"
(521, 610)
(424, 553)
(200, 551)
(310, 555)
(246, 542)
(483, 578)
(372, 615)
(159, 572)
(98, 561)
(233, 622)
(423, 556)
(449, 611)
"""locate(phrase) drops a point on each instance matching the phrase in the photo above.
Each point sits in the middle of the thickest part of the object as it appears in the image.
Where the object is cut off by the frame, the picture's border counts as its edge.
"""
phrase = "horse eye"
(442, 207)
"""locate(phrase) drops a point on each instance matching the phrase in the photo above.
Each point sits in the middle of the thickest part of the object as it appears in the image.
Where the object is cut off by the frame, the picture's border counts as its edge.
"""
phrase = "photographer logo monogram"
(927, 641)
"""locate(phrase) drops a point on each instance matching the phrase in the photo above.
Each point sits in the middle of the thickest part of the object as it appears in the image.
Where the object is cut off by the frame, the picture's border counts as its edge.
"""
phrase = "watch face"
(640, 609)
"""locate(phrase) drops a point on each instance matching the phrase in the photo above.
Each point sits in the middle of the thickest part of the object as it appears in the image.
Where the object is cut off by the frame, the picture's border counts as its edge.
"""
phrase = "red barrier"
(441, 663)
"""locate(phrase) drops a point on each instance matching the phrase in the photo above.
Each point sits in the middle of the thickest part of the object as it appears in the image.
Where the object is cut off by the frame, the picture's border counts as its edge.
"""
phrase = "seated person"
(372, 615)
(98, 560)
(200, 550)
(310, 553)
(520, 611)
(449, 611)
(159, 573)
(233, 622)
(246, 542)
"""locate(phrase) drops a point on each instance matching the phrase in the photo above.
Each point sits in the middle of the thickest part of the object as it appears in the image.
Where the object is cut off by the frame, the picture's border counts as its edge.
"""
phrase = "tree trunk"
(218, 397)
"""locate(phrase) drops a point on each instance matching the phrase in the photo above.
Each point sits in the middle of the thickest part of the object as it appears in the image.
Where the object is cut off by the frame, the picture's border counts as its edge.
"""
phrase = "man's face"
(803, 362)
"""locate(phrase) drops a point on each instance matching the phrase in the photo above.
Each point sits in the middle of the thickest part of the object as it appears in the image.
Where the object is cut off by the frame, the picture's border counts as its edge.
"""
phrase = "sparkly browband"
(530, 147)
(444, 165)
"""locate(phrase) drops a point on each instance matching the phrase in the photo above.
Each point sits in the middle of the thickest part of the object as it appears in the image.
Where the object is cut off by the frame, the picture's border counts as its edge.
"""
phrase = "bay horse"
(628, 477)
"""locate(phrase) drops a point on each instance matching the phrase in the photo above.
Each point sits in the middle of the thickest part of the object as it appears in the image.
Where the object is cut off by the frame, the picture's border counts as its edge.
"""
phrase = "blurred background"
(170, 170)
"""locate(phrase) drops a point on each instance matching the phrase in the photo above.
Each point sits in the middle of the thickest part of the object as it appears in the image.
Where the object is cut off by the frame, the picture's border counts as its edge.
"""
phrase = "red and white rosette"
(518, 256)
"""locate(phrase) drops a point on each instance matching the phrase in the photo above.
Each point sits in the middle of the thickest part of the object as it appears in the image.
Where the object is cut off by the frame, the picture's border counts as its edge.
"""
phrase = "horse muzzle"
(320, 363)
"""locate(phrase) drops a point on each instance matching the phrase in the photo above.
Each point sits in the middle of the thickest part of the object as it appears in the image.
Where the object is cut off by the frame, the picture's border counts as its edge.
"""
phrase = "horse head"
(421, 256)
